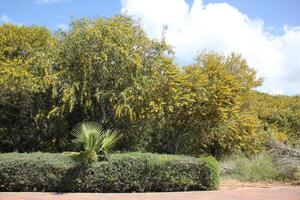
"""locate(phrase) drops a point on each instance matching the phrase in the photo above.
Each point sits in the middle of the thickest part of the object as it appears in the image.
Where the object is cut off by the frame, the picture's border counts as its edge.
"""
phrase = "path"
(273, 193)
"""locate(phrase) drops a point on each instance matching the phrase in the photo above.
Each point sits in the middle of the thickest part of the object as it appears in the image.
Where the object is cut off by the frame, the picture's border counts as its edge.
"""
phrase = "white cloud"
(5, 19)
(223, 28)
(50, 1)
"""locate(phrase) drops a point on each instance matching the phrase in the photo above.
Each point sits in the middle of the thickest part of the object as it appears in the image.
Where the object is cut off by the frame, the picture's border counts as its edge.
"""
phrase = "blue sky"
(51, 13)
(265, 32)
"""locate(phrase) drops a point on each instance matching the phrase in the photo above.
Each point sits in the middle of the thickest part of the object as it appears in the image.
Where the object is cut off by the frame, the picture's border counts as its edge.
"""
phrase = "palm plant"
(96, 141)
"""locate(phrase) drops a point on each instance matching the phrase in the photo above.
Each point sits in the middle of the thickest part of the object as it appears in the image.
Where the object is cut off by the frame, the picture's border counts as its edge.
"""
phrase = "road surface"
(273, 193)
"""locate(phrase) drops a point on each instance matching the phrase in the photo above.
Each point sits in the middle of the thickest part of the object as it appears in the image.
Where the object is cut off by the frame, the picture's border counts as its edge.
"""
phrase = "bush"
(95, 141)
(212, 173)
(124, 172)
(259, 168)
(287, 160)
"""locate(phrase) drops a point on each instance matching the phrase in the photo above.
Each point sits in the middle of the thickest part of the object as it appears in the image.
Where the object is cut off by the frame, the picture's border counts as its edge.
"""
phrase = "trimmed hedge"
(124, 172)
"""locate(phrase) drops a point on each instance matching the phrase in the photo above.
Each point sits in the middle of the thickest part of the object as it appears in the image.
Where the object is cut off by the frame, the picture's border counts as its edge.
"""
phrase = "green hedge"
(124, 172)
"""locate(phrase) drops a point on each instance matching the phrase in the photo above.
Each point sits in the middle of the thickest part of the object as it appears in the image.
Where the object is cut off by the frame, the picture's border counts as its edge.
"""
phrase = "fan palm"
(96, 141)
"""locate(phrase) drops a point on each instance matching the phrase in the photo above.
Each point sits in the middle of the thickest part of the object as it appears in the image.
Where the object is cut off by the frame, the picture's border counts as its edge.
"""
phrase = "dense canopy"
(108, 70)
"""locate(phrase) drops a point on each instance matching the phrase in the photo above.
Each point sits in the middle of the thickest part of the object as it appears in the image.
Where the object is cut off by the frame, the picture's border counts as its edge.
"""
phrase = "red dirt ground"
(244, 193)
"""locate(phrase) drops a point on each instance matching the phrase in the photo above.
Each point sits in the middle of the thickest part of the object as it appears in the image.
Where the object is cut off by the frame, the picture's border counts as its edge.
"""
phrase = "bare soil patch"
(230, 184)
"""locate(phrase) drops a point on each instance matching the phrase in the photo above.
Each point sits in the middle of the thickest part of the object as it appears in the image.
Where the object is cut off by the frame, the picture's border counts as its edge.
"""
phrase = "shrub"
(95, 141)
(287, 160)
(259, 168)
(212, 176)
(124, 172)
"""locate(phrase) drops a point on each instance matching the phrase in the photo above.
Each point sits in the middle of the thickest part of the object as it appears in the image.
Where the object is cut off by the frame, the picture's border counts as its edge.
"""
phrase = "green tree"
(280, 116)
(106, 71)
(24, 62)
(230, 82)
(206, 109)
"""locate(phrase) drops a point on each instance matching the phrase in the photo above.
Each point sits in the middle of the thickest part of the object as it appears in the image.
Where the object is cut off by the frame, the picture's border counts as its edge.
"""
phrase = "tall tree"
(24, 63)
(106, 71)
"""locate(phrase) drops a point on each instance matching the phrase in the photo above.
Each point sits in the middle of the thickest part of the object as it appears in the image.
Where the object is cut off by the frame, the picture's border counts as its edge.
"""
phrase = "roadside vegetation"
(279, 163)
(122, 172)
(95, 142)
(103, 84)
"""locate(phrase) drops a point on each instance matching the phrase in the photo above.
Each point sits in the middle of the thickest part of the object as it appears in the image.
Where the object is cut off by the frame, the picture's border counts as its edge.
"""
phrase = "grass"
(259, 168)
(279, 163)
(263, 167)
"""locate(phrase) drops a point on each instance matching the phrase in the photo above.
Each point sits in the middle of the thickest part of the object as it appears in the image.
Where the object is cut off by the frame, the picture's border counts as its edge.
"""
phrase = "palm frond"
(109, 140)
(94, 139)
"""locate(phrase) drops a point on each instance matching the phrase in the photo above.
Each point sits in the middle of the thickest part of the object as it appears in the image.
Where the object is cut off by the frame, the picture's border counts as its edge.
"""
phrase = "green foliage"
(101, 64)
(259, 168)
(281, 116)
(25, 55)
(33, 172)
(139, 172)
(280, 162)
(205, 108)
(95, 141)
(286, 159)
(24, 58)
(212, 177)
(108, 70)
